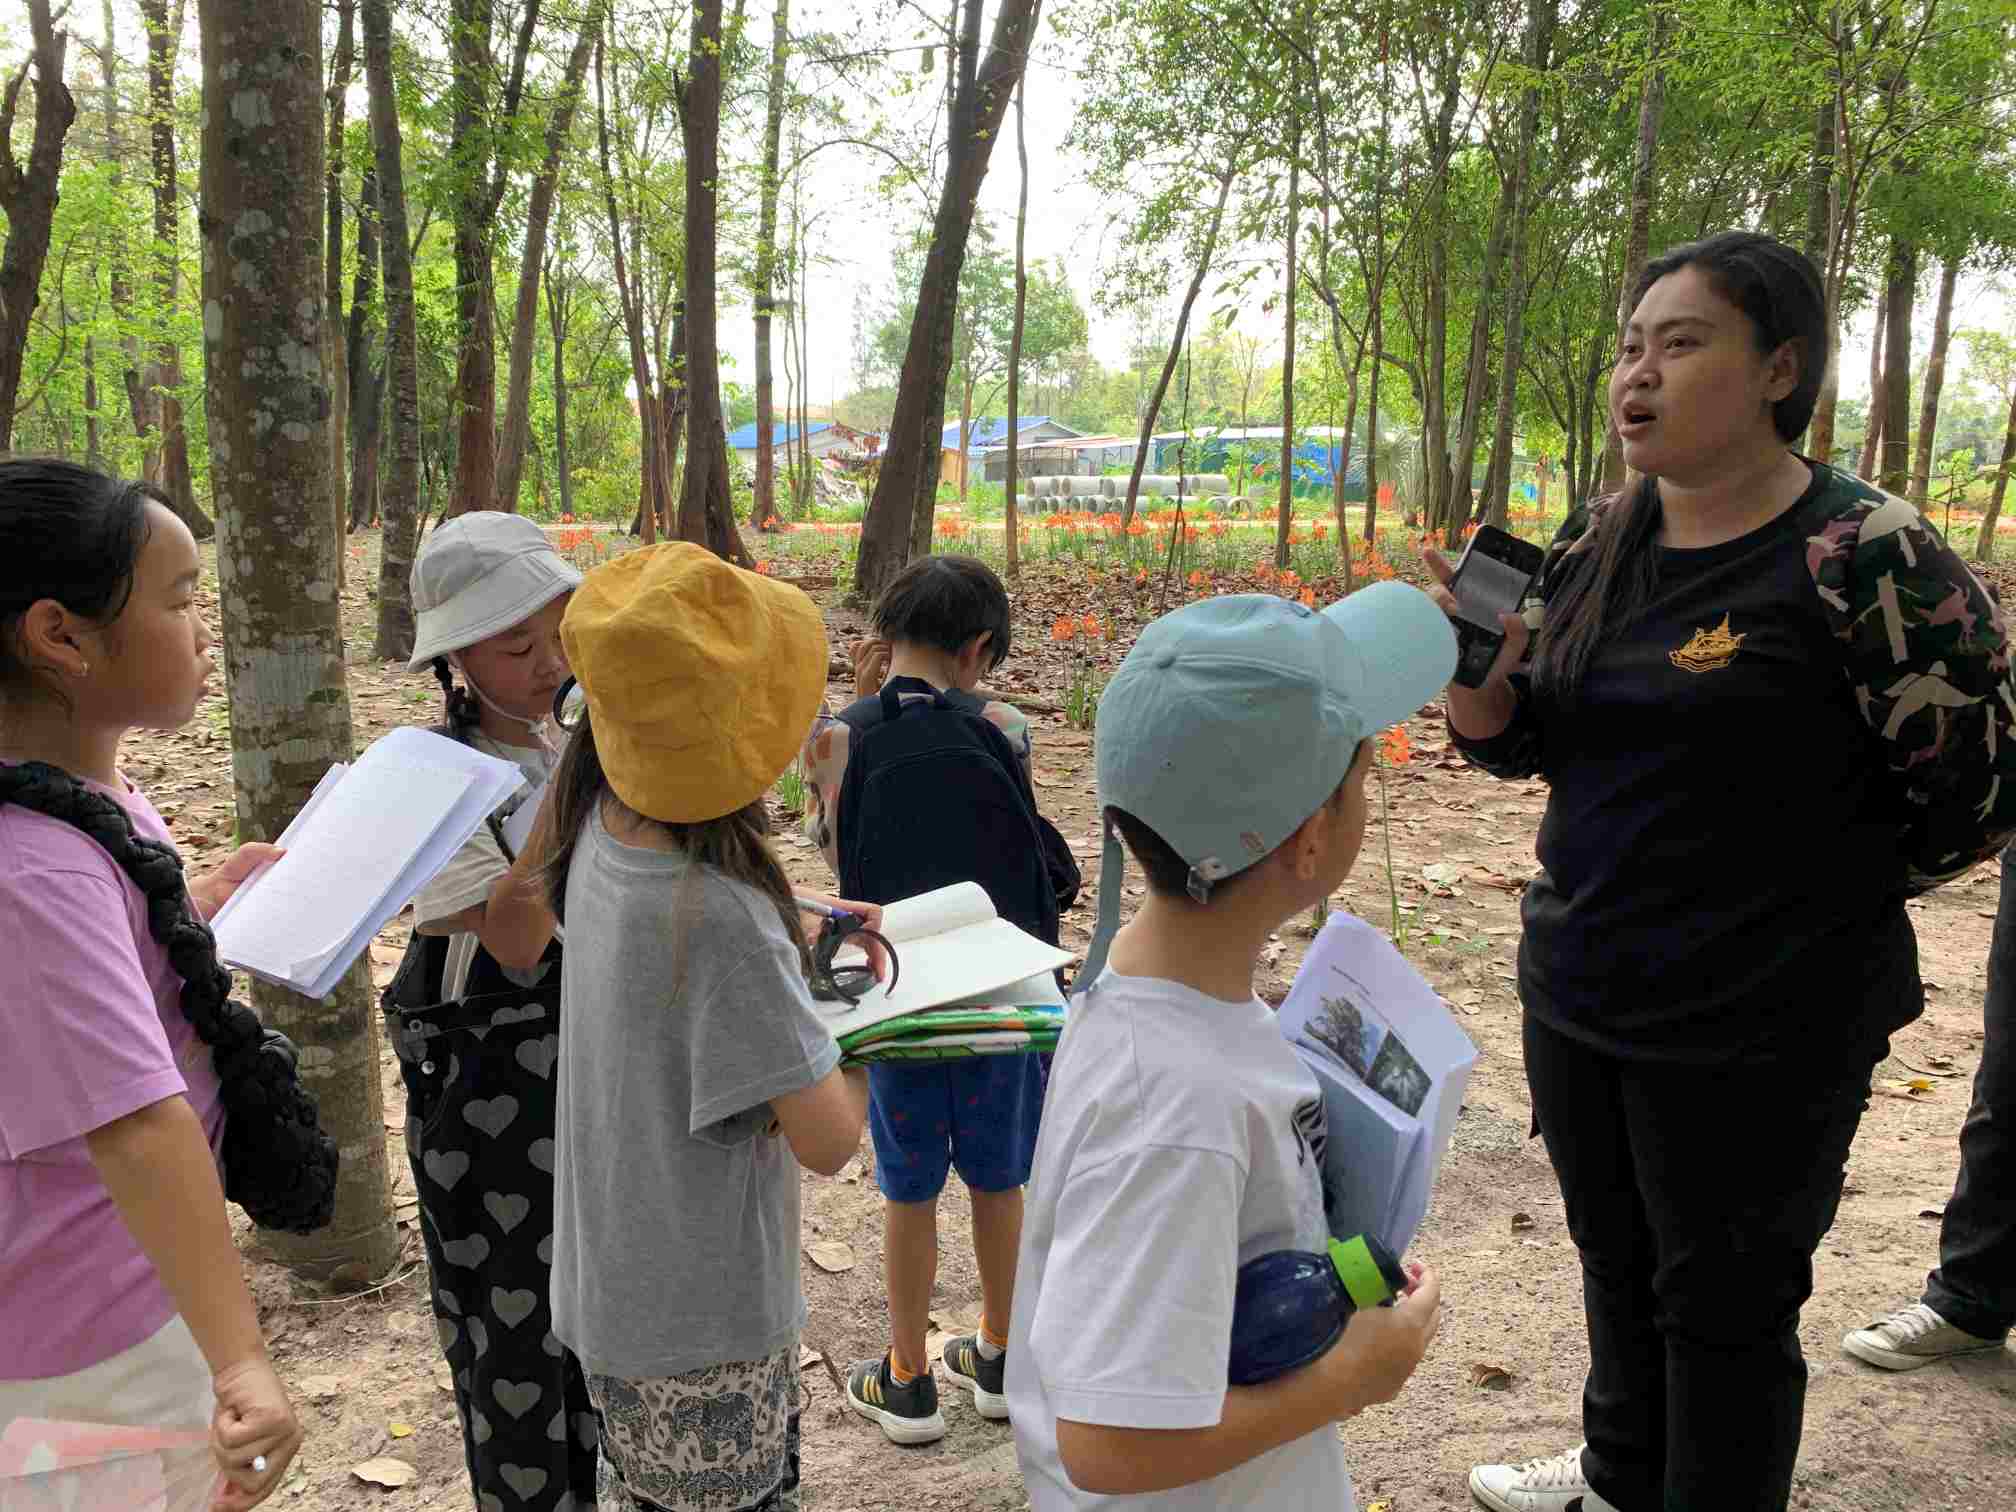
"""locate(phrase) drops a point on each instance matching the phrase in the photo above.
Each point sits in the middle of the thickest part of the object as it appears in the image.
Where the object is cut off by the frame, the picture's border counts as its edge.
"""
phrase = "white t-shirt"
(474, 869)
(1176, 1146)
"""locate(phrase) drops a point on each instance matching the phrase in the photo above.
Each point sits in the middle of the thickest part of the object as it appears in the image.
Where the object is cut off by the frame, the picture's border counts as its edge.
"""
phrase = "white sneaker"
(1543, 1485)
(1914, 1337)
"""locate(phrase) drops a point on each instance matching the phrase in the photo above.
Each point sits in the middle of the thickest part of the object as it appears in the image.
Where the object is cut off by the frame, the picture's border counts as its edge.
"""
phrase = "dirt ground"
(370, 1381)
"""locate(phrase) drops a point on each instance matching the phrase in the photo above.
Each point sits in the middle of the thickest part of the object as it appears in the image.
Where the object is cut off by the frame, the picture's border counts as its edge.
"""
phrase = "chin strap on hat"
(536, 727)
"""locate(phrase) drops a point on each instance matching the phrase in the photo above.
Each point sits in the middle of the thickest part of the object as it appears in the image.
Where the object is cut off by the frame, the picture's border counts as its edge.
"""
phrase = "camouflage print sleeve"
(824, 761)
(1515, 750)
(1928, 656)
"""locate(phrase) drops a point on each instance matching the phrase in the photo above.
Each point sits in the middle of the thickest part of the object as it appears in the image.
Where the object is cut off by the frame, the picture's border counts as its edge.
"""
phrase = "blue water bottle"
(1291, 1305)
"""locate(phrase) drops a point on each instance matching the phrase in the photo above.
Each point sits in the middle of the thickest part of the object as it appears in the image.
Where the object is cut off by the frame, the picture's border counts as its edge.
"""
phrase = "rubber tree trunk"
(1935, 380)
(532, 257)
(556, 322)
(763, 509)
(365, 383)
(1872, 439)
(653, 488)
(1984, 543)
(706, 512)
(1644, 184)
(907, 487)
(1226, 177)
(261, 185)
(28, 200)
(1284, 518)
(1011, 524)
(399, 505)
(164, 44)
(340, 351)
(1901, 274)
(1477, 371)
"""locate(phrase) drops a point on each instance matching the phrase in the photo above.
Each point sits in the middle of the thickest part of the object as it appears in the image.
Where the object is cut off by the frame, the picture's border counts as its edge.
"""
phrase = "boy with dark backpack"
(916, 785)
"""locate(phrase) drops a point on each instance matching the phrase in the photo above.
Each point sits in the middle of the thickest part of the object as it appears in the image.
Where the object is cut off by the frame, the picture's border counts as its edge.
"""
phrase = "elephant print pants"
(720, 1439)
(479, 1133)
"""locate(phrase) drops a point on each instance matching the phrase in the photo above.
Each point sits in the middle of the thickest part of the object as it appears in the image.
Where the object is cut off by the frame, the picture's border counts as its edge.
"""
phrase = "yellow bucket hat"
(702, 678)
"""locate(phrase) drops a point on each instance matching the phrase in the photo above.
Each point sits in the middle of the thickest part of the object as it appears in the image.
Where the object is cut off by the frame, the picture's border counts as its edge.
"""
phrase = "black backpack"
(934, 794)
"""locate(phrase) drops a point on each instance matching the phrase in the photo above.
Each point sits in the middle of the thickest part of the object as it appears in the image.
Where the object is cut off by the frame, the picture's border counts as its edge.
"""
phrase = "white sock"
(988, 1352)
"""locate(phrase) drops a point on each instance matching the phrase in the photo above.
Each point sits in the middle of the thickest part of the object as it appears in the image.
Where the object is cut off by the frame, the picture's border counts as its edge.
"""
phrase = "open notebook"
(970, 983)
(373, 833)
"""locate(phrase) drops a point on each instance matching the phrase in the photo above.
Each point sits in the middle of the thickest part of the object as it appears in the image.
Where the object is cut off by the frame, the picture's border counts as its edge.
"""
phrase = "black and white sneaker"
(967, 1367)
(908, 1414)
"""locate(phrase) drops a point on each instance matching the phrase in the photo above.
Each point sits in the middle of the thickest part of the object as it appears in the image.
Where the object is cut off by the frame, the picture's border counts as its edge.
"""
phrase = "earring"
(83, 670)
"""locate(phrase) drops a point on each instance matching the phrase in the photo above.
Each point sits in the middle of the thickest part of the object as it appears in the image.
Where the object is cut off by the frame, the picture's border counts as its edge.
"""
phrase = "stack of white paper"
(1392, 1064)
(371, 835)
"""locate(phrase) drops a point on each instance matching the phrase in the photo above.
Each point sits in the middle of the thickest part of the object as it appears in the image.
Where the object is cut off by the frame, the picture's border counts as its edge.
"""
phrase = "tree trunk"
(1477, 372)
(1935, 380)
(556, 321)
(400, 498)
(1901, 273)
(538, 214)
(364, 405)
(907, 487)
(1644, 184)
(28, 199)
(1984, 543)
(706, 511)
(261, 186)
(1284, 519)
(1873, 439)
(341, 384)
(1820, 186)
(653, 489)
(164, 44)
(1226, 178)
(764, 508)
(119, 273)
(474, 402)
(93, 456)
(1498, 475)
(1435, 312)
(1011, 524)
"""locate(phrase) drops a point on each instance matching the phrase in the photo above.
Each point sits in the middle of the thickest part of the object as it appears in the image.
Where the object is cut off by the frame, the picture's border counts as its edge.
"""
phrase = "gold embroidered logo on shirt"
(1708, 650)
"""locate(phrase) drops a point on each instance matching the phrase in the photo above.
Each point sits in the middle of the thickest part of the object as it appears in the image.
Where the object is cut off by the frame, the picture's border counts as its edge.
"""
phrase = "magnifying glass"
(570, 706)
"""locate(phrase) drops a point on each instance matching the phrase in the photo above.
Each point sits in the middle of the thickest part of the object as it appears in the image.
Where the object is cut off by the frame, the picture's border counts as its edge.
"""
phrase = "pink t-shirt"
(91, 1029)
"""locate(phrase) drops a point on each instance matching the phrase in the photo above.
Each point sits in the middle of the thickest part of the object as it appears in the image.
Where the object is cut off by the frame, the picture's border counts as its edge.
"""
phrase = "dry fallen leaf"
(319, 1388)
(1490, 1377)
(832, 1254)
(1521, 1222)
(399, 1430)
(808, 1357)
(386, 1471)
(444, 1378)
(1379, 1506)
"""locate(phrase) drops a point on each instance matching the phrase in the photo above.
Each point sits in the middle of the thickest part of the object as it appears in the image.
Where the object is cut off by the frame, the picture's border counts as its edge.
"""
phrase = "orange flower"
(1199, 580)
(1322, 531)
(771, 523)
(1217, 528)
(1394, 747)
(763, 569)
(1064, 629)
(1308, 598)
(1091, 624)
(1138, 527)
(567, 519)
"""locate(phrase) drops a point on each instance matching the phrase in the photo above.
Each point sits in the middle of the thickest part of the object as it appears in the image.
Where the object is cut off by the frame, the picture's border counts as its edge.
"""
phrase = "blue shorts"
(979, 1115)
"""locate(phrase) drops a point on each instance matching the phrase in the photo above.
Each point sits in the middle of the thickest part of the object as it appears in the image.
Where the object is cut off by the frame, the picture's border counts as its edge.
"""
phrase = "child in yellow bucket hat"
(696, 1076)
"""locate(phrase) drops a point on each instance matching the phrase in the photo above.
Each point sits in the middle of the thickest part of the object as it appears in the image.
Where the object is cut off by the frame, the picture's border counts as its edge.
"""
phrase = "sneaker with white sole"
(1914, 1337)
(1542, 1485)
(908, 1414)
(966, 1366)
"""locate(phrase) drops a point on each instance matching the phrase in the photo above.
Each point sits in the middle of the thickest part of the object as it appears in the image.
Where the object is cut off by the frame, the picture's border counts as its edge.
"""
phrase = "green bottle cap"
(1368, 1269)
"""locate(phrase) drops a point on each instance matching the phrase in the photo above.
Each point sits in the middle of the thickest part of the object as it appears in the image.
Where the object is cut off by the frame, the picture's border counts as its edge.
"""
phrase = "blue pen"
(826, 911)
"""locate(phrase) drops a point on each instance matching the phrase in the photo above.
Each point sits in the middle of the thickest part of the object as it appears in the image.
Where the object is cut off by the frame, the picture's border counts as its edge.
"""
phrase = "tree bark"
(1935, 380)
(400, 497)
(556, 322)
(653, 488)
(1538, 50)
(1872, 439)
(1011, 524)
(263, 302)
(1226, 177)
(1984, 542)
(164, 44)
(706, 510)
(764, 508)
(1435, 307)
(28, 198)
(339, 355)
(906, 490)
(366, 382)
(1477, 372)
(1284, 519)
(474, 402)
(1901, 273)
(1644, 184)
(538, 215)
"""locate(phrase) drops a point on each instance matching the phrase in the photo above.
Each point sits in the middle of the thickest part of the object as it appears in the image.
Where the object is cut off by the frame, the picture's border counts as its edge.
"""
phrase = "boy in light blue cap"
(1181, 1135)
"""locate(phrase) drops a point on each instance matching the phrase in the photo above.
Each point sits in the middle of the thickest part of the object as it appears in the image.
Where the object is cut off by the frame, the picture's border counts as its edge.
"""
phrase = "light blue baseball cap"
(1233, 719)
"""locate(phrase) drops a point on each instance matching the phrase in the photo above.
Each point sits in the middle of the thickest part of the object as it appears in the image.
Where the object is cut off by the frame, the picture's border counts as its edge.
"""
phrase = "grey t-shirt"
(675, 1240)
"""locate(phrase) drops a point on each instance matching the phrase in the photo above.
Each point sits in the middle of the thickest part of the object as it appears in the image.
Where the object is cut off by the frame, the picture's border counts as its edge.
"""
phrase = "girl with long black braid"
(122, 1300)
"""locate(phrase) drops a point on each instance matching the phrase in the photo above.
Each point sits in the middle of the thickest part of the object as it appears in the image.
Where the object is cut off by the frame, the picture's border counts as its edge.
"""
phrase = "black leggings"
(1697, 1196)
(480, 1095)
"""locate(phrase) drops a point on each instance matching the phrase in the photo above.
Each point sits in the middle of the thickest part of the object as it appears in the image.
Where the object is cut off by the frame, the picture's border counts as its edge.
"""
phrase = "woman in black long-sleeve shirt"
(1771, 704)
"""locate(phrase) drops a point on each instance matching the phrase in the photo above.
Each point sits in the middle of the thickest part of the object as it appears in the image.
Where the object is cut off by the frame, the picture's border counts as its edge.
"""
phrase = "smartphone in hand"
(1496, 570)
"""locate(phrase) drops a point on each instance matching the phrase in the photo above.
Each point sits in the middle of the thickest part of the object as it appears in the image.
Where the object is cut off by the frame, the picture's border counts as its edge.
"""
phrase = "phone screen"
(1487, 588)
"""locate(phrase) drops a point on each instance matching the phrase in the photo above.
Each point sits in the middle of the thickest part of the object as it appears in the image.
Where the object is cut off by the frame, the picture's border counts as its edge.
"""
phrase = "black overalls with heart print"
(480, 1093)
